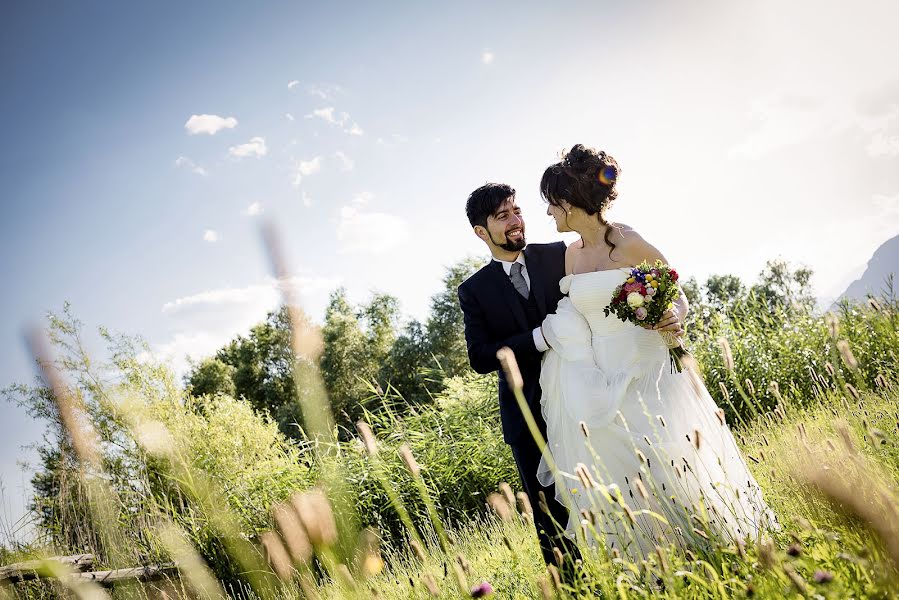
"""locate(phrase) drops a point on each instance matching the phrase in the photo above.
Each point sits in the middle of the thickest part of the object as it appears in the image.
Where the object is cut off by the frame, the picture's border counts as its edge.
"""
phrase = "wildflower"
(829, 368)
(852, 391)
(696, 439)
(794, 550)
(822, 576)
(482, 590)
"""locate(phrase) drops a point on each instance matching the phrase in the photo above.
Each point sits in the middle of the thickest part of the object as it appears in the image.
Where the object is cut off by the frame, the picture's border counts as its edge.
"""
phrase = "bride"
(643, 455)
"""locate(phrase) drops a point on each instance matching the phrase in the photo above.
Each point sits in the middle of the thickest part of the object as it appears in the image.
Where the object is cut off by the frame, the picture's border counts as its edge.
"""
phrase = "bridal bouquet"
(643, 298)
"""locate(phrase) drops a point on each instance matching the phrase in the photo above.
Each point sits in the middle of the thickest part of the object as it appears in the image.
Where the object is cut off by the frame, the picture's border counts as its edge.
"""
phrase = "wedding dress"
(643, 455)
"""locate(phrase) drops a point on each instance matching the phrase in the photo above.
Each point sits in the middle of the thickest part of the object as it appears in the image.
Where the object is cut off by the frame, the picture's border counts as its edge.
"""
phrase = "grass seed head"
(726, 355)
(833, 324)
(317, 517)
(292, 531)
(506, 490)
(409, 460)
(368, 438)
(276, 555)
(510, 368)
(846, 354)
(500, 506)
(524, 504)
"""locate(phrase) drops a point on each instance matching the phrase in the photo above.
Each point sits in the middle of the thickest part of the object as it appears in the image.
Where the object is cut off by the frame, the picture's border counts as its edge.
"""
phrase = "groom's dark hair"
(485, 200)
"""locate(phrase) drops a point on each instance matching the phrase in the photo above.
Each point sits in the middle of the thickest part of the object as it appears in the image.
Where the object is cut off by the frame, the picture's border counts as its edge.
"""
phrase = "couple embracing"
(640, 455)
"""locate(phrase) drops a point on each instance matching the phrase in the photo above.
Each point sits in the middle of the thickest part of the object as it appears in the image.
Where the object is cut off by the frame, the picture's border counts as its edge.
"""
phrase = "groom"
(504, 304)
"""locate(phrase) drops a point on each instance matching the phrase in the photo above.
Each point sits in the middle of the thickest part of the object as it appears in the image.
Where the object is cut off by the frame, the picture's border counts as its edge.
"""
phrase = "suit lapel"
(508, 293)
(536, 277)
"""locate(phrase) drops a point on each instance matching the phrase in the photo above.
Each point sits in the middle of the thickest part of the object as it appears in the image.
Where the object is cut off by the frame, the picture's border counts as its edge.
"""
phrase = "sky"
(144, 143)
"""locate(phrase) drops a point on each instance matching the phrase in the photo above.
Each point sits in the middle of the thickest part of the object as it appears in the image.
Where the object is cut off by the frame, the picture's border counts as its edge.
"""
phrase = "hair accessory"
(607, 175)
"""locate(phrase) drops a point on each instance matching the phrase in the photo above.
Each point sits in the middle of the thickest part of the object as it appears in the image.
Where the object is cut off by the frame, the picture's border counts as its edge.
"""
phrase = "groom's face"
(505, 227)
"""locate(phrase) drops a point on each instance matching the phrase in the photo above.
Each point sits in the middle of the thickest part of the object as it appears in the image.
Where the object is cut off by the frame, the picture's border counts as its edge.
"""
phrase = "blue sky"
(744, 131)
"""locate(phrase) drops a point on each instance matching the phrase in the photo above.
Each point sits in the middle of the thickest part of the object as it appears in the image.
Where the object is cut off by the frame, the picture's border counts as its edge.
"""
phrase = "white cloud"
(883, 145)
(887, 206)
(202, 323)
(342, 120)
(292, 84)
(346, 162)
(487, 57)
(326, 114)
(255, 147)
(253, 209)
(369, 232)
(210, 235)
(306, 168)
(324, 91)
(289, 116)
(186, 163)
(210, 124)
(362, 198)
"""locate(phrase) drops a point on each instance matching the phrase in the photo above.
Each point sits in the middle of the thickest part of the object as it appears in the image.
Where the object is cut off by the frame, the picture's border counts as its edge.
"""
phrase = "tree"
(781, 286)
(445, 329)
(724, 291)
(212, 376)
(357, 343)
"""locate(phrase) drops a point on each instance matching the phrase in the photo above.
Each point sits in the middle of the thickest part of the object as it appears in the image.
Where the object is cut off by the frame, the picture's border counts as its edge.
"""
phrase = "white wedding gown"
(617, 415)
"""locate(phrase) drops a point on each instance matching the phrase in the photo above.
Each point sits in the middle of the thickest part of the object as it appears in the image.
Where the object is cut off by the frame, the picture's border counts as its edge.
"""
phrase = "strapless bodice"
(590, 293)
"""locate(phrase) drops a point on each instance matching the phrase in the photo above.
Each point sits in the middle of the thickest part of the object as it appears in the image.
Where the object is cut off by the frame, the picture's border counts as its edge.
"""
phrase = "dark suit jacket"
(494, 317)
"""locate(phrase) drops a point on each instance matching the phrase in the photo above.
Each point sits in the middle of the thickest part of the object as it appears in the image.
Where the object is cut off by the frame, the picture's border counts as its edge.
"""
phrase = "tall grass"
(402, 511)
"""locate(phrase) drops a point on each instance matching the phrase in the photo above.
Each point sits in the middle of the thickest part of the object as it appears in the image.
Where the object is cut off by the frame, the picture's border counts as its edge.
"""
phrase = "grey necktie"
(521, 286)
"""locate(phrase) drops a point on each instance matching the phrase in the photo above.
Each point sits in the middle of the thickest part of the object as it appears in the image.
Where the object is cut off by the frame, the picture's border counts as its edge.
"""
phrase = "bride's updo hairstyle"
(584, 178)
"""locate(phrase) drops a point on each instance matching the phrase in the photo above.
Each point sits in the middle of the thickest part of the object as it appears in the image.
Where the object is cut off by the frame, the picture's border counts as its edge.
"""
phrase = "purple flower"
(640, 313)
(823, 576)
(482, 590)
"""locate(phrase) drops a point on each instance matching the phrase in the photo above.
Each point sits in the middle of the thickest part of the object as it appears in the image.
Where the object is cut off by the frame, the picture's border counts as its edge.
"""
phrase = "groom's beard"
(509, 245)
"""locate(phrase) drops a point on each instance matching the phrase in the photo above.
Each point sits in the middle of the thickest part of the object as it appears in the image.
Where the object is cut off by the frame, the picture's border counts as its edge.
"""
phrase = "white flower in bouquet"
(635, 299)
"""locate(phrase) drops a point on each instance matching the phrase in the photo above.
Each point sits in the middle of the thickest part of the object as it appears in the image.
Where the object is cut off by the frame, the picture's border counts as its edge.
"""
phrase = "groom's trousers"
(549, 526)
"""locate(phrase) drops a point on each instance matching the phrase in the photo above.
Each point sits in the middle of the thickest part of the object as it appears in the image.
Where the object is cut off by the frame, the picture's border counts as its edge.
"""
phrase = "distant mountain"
(884, 262)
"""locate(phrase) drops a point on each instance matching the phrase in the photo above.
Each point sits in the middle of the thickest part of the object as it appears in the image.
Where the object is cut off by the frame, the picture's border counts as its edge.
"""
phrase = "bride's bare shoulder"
(631, 245)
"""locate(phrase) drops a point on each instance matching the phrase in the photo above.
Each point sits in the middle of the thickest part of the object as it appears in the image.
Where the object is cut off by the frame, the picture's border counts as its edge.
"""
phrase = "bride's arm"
(635, 250)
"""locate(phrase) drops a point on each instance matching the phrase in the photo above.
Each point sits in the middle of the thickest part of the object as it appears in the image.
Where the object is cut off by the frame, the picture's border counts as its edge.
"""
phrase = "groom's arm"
(481, 349)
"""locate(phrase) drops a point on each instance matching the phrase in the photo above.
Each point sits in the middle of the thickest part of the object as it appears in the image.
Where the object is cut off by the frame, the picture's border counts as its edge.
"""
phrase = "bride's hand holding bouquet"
(646, 298)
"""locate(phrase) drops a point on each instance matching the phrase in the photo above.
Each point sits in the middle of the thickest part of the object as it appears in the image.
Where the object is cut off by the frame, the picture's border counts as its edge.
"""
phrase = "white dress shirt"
(539, 340)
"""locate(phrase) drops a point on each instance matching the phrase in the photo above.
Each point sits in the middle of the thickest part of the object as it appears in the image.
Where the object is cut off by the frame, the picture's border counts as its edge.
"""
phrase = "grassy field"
(149, 475)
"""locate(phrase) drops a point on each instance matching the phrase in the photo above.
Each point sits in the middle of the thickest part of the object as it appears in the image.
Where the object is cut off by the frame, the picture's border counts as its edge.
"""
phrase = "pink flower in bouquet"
(633, 287)
(650, 291)
(640, 313)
